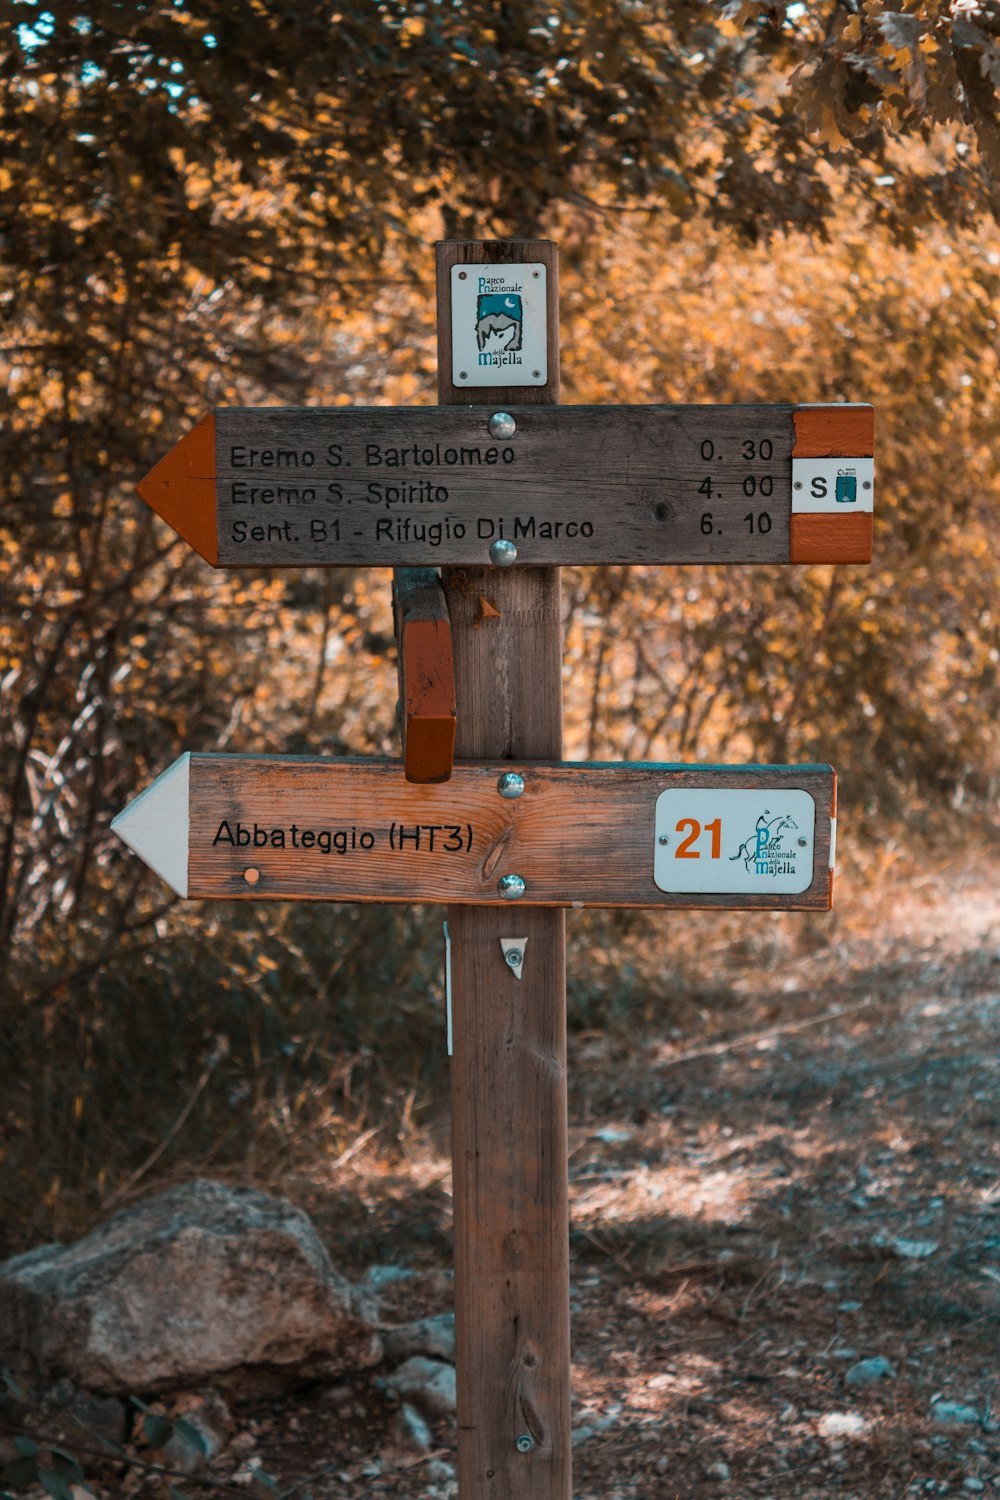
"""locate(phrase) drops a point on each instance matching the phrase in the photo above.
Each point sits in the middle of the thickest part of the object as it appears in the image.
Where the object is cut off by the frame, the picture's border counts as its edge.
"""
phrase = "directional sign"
(407, 486)
(560, 834)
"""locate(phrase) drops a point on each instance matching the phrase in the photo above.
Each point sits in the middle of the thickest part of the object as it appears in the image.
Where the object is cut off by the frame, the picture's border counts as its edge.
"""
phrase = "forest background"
(236, 203)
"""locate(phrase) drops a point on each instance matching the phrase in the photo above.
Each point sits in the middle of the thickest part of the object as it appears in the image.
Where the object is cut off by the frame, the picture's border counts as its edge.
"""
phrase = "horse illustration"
(763, 841)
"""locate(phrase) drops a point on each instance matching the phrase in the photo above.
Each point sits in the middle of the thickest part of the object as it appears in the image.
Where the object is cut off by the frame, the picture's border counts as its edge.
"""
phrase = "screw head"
(511, 887)
(463, 374)
(503, 554)
(510, 785)
(514, 957)
(525, 1443)
(463, 275)
(502, 425)
(803, 843)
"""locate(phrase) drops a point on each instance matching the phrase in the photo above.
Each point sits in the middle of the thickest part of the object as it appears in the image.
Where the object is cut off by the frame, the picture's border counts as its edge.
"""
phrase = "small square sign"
(734, 841)
(499, 325)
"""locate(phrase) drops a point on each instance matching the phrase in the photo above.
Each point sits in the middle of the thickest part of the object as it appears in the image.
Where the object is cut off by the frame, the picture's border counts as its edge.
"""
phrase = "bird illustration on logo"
(496, 312)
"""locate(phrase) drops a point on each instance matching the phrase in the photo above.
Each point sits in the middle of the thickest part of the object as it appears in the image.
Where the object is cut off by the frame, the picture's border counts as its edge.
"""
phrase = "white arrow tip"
(155, 825)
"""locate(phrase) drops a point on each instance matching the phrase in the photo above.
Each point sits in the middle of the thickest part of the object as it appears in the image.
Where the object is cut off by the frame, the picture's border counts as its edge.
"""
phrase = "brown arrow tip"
(181, 489)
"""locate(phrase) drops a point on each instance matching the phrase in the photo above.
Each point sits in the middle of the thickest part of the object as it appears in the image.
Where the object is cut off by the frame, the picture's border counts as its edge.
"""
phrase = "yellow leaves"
(412, 27)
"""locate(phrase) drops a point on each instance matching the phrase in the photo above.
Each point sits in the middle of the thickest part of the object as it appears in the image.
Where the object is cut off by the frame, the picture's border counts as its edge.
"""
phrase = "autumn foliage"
(235, 205)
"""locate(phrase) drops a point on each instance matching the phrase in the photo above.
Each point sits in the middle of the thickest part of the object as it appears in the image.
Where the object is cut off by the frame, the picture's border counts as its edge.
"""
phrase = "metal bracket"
(513, 953)
(427, 713)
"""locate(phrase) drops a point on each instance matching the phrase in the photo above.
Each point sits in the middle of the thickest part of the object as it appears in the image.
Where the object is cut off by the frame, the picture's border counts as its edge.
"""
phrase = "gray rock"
(433, 1336)
(410, 1431)
(718, 1470)
(955, 1414)
(378, 1277)
(199, 1281)
(842, 1424)
(869, 1372)
(191, 1450)
(440, 1470)
(427, 1383)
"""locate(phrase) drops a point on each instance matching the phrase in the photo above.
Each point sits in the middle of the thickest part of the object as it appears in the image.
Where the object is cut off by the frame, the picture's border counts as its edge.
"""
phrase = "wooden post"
(509, 1108)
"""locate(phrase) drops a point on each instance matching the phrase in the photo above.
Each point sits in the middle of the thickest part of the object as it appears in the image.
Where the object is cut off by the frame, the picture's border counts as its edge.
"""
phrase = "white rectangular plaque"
(832, 486)
(734, 840)
(499, 325)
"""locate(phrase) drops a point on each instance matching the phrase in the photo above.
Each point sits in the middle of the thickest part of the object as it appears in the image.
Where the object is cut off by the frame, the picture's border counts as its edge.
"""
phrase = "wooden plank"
(510, 1150)
(832, 539)
(426, 675)
(834, 431)
(312, 828)
(411, 486)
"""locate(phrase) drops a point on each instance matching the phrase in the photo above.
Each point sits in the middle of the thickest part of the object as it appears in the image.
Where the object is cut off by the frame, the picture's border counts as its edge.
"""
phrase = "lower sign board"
(416, 486)
(548, 834)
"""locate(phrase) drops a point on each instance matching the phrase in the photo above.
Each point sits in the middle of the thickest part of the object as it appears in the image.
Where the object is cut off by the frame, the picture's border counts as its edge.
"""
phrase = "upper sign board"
(302, 828)
(419, 486)
(498, 325)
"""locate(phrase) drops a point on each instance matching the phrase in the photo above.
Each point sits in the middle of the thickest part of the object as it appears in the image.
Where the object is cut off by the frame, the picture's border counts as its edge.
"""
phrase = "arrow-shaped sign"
(407, 486)
(561, 834)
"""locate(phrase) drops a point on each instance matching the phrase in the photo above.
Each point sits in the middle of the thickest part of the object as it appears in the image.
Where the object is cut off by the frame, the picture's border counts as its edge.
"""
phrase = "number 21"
(685, 850)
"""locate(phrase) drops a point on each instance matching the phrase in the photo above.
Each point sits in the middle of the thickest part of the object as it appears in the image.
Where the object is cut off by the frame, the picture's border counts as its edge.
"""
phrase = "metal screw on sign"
(514, 957)
(664, 839)
(510, 785)
(502, 425)
(503, 554)
(525, 1443)
(511, 887)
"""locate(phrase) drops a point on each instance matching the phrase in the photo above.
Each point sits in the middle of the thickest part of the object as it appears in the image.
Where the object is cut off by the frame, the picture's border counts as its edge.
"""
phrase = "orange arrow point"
(181, 489)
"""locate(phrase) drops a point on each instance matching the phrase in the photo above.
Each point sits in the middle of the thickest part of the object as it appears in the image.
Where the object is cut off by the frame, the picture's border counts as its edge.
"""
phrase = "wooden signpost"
(508, 834)
(401, 486)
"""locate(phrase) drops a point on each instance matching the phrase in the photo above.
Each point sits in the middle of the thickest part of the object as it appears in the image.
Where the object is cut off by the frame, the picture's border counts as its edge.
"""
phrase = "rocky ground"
(786, 1255)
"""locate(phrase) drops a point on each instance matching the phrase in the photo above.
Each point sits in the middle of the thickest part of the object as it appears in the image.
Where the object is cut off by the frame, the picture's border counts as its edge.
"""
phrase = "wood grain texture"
(182, 490)
(509, 1084)
(426, 675)
(580, 835)
(832, 538)
(411, 486)
(834, 431)
(419, 486)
